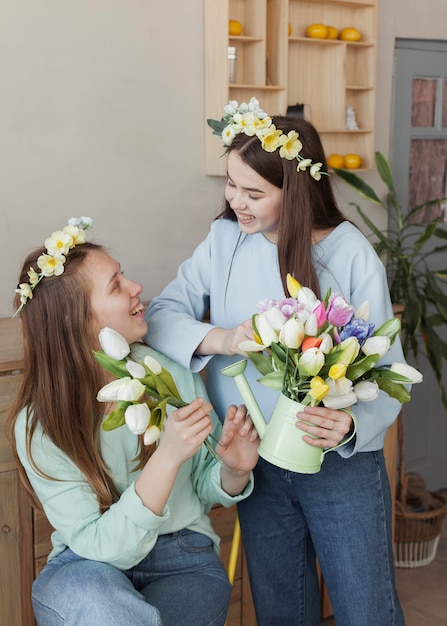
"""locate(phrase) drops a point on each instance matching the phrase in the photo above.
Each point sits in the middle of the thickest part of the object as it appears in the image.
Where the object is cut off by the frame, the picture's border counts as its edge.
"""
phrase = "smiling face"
(115, 299)
(254, 200)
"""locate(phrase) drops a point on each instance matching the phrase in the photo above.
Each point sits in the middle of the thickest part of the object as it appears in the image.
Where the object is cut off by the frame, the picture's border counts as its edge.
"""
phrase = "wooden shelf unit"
(282, 70)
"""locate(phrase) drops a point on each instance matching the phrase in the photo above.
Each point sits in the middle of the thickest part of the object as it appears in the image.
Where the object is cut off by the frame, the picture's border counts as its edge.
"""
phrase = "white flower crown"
(52, 262)
(251, 120)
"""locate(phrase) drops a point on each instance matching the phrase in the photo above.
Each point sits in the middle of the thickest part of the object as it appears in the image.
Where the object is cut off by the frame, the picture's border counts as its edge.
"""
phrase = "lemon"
(336, 160)
(234, 28)
(350, 34)
(352, 161)
(332, 33)
(316, 31)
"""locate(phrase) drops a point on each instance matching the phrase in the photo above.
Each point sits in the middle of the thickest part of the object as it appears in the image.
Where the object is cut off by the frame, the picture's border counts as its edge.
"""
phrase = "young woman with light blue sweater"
(281, 217)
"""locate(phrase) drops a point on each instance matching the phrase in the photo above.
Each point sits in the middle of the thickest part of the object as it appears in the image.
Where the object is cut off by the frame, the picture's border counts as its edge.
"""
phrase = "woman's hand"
(329, 426)
(238, 449)
(226, 341)
(185, 431)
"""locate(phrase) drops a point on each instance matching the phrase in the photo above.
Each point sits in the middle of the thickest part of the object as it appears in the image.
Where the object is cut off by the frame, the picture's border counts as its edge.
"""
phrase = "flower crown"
(252, 120)
(52, 262)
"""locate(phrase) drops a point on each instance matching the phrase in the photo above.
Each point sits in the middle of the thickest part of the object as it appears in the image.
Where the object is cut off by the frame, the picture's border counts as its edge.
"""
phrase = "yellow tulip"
(293, 286)
(337, 371)
(318, 388)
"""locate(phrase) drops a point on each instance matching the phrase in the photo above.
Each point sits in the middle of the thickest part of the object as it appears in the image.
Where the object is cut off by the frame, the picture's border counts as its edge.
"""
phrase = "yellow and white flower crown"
(252, 120)
(52, 262)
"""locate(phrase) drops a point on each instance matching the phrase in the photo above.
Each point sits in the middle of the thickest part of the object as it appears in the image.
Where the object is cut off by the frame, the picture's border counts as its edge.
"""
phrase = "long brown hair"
(61, 377)
(307, 205)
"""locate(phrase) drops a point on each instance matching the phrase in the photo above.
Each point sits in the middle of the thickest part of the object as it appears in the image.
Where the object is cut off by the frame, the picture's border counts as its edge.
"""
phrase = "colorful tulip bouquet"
(323, 352)
(141, 392)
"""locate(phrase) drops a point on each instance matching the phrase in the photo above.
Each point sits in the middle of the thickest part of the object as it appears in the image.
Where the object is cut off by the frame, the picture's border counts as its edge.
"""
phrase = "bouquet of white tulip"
(141, 393)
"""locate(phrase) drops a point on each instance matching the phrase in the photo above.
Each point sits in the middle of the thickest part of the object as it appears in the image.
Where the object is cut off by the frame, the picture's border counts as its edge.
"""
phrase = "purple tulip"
(339, 312)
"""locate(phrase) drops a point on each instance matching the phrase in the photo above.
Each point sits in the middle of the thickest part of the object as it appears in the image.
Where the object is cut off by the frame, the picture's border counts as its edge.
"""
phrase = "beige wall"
(102, 114)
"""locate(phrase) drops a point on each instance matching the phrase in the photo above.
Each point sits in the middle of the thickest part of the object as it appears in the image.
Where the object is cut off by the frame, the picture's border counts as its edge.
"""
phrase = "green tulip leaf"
(358, 369)
(394, 390)
(262, 362)
(117, 368)
(116, 418)
(274, 380)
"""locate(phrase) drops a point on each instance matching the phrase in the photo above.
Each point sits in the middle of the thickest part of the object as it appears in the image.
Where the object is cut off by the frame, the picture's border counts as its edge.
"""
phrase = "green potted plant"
(417, 290)
(414, 285)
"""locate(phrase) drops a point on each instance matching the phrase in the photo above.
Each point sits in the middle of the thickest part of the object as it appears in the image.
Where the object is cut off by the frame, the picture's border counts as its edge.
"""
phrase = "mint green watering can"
(281, 441)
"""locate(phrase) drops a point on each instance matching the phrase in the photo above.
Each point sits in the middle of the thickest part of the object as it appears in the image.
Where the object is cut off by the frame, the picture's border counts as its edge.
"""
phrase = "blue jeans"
(341, 514)
(181, 581)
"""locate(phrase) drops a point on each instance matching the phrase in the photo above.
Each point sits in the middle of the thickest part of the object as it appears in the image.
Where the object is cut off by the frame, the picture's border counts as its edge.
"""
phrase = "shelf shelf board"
(260, 87)
(331, 42)
(245, 39)
(359, 87)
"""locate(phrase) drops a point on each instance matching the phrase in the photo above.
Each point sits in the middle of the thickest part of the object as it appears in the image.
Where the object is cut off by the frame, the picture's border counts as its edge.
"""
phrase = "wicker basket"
(418, 524)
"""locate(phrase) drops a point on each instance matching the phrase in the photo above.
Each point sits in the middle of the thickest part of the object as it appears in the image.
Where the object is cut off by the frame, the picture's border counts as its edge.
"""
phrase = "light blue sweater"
(229, 273)
(124, 534)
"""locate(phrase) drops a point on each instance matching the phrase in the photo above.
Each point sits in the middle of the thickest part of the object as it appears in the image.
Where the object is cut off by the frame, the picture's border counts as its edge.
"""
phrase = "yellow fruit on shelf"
(332, 33)
(350, 34)
(289, 29)
(336, 160)
(234, 28)
(352, 161)
(316, 31)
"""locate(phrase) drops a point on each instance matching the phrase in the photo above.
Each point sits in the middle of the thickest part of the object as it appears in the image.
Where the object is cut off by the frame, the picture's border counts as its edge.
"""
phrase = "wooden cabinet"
(281, 69)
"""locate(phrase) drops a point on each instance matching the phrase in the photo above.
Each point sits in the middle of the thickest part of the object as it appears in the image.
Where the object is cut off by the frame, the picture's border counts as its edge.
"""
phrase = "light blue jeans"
(342, 514)
(180, 582)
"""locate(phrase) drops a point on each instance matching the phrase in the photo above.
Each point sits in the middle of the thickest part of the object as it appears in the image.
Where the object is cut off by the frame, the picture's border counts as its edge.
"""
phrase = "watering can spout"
(236, 371)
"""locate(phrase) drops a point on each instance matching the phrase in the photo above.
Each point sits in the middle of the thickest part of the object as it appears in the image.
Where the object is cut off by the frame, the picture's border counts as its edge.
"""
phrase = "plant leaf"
(358, 184)
(394, 390)
(262, 362)
(115, 419)
(117, 368)
(274, 380)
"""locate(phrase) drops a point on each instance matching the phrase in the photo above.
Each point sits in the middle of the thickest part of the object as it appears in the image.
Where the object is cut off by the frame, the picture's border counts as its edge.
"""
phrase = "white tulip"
(266, 332)
(152, 364)
(137, 418)
(113, 344)
(292, 333)
(311, 325)
(110, 392)
(339, 402)
(366, 391)
(307, 297)
(327, 343)
(131, 391)
(410, 372)
(340, 394)
(310, 362)
(275, 318)
(135, 369)
(376, 345)
(151, 435)
(363, 311)
(125, 389)
(249, 345)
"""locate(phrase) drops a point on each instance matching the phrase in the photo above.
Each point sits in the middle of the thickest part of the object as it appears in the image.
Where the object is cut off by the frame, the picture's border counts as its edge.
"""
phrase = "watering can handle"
(345, 440)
